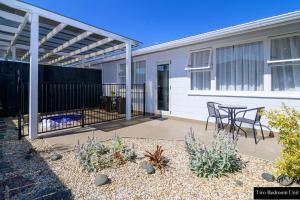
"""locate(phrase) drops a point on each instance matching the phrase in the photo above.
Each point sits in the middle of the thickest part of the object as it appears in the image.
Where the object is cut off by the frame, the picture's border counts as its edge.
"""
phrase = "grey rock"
(55, 156)
(285, 180)
(101, 180)
(144, 164)
(268, 177)
(150, 169)
(238, 182)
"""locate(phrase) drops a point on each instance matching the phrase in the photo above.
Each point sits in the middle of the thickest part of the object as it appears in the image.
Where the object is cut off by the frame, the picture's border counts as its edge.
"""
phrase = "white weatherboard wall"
(188, 104)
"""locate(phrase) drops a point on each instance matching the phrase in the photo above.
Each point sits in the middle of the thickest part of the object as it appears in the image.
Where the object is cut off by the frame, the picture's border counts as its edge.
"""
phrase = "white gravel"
(177, 182)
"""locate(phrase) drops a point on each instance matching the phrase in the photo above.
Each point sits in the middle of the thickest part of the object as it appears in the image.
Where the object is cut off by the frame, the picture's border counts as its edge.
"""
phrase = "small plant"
(287, 121)
(216, 161)
(94, 156)
(156, 158)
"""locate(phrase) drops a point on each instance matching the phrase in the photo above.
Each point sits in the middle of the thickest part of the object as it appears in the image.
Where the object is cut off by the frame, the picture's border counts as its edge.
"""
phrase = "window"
(138, 73)
(285, 63)
(200, 68)
(240, 67)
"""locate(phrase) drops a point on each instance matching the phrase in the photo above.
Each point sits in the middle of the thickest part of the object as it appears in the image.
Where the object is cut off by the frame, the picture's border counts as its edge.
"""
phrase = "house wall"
(189, 104)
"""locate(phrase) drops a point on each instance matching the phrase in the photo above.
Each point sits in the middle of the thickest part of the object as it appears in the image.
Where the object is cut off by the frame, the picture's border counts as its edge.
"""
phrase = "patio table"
(231, 112)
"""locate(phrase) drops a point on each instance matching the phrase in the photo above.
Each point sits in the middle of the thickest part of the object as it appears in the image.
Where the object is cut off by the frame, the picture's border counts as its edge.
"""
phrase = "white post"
(13, 53)
(33, 76)
(128, 81)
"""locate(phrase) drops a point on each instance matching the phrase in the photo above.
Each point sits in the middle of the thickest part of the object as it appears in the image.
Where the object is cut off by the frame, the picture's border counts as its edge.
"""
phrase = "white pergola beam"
(8, 29)
(98, 53)
(56, 17)
(128, 81)
(11, 17)
(83, 49)
(51, 34)
(65, 45)
(33, 76)
(15, 37)
(6, 37)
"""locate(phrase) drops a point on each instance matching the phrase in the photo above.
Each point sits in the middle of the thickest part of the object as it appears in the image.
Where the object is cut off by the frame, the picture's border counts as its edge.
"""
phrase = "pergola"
(38, 36)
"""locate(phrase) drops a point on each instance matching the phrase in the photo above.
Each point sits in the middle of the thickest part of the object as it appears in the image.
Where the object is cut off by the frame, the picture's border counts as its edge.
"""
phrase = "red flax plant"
(156, 158)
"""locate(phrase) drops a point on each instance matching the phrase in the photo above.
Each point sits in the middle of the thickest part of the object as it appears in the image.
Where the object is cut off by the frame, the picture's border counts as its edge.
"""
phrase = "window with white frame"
(240, 67)
(199, 66)
(285, 63)
(138, 73)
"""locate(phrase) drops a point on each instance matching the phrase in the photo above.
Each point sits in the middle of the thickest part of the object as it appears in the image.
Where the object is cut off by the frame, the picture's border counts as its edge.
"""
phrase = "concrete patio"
(168, 129)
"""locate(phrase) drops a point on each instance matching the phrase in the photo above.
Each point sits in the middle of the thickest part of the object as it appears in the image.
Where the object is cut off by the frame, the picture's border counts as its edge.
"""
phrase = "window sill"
(248, 94)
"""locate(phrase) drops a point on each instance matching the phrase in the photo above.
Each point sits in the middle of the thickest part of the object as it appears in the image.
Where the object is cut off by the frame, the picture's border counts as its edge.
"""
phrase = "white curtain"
(240, 67)
(285, 75)
(138, 73)
(200, 80)
(200, 59)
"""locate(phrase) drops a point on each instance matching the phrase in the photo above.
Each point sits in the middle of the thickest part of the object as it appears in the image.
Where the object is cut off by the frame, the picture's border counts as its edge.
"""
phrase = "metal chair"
(214, 112)
(253, 122)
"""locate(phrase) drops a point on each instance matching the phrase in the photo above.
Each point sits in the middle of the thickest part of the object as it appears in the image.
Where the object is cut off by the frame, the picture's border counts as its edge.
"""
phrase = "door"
(163, 87)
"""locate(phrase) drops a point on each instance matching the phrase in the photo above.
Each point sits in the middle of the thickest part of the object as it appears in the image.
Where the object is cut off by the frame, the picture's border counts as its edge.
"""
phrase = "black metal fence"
(68, 105)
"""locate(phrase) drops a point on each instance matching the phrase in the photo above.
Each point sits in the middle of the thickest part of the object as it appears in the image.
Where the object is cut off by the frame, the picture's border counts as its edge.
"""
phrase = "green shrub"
(216, 161)
(287, 121)
(94, 156)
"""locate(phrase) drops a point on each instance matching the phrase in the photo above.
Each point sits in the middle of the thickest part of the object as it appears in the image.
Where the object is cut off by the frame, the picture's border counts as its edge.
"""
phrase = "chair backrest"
(212, 110)
(259, 114)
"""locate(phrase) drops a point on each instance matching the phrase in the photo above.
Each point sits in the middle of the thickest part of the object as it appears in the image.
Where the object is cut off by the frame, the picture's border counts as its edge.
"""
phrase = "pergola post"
(128, 81)
(33, 76)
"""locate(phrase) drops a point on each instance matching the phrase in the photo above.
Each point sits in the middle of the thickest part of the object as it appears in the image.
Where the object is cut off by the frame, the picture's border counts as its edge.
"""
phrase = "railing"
(69, 105)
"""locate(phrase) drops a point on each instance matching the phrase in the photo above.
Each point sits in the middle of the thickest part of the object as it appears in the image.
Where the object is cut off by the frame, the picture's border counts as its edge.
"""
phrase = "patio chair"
(214, 112)
(253, 122)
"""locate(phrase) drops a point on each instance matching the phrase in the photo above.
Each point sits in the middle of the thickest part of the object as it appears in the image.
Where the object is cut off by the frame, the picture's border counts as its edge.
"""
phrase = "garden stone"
(56, 156)
(150, 169)
(144, 164)
(268, 177)
(101, 180)
(285, 180)
(238, 182)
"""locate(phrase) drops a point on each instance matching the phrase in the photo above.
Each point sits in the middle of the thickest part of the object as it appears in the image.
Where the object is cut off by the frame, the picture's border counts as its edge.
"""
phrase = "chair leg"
(254, 133)
(206, 123)
(239, 128)
(262, 132)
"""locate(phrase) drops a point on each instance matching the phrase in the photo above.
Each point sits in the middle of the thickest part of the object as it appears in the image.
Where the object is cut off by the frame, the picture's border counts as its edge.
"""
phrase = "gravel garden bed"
(130, 181)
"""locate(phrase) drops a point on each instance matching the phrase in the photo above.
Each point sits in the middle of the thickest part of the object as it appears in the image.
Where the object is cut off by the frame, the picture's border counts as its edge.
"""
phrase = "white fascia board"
(19, 31)
(59, 18)
(83, 49)
(98, 53)
(271, 22)
(11, 17)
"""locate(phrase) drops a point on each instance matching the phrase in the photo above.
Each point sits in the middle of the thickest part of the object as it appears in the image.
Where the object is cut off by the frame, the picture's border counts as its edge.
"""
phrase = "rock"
(101, 180)
(238, 182)
(268, 177)
(56, 156)
(285, 180)
(144, 164)
(150, 169)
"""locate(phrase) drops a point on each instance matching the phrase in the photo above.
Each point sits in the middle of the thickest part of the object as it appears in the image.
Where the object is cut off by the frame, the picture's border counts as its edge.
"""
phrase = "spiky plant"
(156, 158)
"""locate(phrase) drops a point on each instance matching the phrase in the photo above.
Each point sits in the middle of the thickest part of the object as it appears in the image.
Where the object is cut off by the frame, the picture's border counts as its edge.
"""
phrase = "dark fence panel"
(10, 72)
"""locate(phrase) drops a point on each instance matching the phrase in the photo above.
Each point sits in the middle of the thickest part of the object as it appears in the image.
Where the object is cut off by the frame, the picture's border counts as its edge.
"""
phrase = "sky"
(157, 21)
